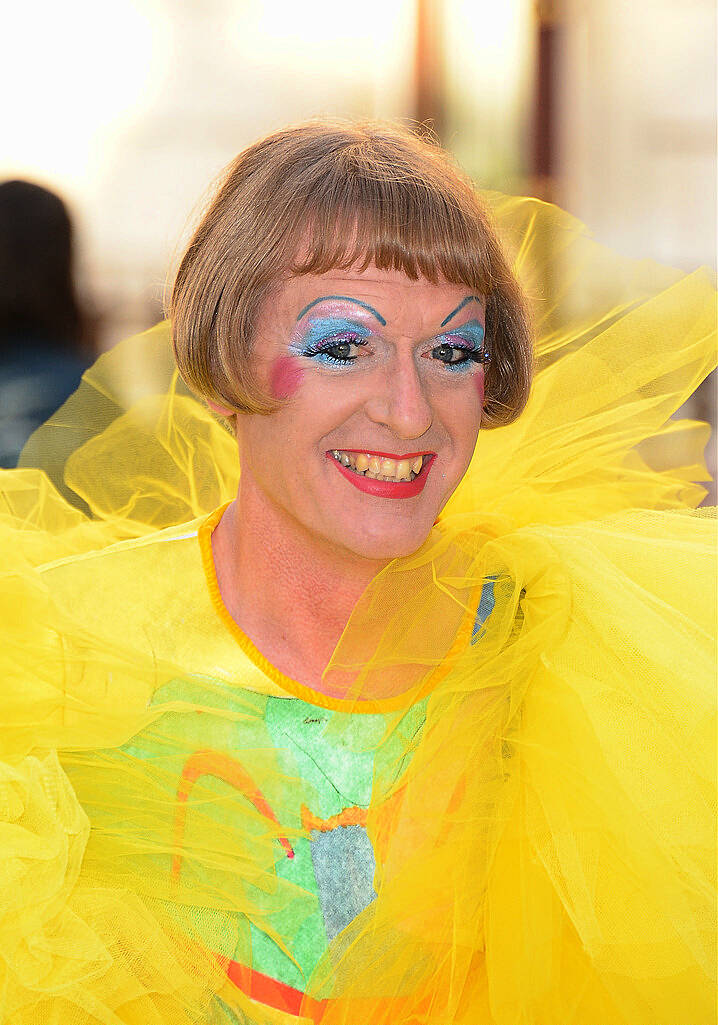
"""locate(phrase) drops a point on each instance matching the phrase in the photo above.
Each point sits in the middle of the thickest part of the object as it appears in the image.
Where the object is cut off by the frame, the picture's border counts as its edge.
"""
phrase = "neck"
(291, 593)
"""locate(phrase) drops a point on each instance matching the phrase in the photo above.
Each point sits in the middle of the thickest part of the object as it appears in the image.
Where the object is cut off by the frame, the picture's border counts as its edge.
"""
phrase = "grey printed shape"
(344, 864)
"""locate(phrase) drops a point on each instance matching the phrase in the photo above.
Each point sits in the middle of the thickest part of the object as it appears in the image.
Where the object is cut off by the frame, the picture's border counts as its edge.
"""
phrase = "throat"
(292, 600)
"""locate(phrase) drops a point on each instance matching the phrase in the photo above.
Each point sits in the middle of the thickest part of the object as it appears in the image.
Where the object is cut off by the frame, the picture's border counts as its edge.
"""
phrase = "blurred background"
(127, 109)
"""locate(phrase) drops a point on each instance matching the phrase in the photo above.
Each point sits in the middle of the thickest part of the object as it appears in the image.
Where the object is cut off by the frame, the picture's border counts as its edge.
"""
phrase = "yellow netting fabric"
(544, 844)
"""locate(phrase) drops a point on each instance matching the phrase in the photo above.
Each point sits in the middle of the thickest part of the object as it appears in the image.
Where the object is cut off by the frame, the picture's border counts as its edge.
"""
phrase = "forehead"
(403, 303)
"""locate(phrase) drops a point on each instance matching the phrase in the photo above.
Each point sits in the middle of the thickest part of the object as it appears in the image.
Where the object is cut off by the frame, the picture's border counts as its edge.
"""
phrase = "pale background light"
(130, 108)
(489, 67)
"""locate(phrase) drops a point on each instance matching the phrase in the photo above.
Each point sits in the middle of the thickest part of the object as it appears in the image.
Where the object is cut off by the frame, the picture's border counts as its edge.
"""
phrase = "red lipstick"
(387, 488)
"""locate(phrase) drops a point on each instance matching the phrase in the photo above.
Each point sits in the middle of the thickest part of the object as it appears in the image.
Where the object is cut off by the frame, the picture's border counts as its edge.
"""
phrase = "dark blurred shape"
(543, 151)
(43, 334)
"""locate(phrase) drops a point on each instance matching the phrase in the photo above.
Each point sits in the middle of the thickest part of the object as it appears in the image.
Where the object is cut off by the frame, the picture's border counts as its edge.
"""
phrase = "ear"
(221, 410)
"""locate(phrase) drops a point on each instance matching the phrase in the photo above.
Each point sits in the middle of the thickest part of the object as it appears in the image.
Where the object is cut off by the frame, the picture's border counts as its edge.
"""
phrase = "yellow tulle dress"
(509, 819)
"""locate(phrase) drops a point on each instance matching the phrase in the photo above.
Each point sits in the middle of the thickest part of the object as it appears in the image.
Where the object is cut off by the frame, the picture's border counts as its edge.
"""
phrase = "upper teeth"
(380, 467)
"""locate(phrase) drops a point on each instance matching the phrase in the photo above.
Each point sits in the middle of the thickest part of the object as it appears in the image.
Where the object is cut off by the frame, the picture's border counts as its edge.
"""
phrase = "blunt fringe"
(333, 194)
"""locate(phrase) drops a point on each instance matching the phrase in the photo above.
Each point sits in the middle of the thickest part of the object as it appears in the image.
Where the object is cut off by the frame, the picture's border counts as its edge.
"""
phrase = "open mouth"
(384, 475)
(380, 467)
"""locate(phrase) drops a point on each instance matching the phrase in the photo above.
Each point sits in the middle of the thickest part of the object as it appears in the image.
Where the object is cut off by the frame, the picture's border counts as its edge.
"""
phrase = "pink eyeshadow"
(285, 377)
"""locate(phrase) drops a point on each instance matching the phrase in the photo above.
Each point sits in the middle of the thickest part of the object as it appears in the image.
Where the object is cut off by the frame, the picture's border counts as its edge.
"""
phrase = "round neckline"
(292, 687)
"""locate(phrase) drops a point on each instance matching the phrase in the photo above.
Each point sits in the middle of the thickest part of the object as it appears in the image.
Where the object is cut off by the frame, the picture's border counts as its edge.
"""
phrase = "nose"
(400, 401)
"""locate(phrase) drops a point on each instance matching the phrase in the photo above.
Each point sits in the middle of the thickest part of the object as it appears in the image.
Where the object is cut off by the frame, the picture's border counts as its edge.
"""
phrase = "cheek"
(479, 385)
(285, 377)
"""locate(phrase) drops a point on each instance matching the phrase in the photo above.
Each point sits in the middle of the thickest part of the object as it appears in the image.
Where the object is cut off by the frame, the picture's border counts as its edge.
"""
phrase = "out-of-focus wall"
(636, 124)
(131, 107)
(488, 81)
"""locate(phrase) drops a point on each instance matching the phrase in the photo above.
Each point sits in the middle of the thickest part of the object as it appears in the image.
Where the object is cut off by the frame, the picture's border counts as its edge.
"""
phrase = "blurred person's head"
(345, 300)
(37, 292)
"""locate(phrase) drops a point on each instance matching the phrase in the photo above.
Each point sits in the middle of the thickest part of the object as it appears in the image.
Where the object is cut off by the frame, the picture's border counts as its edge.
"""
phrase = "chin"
(385, 545)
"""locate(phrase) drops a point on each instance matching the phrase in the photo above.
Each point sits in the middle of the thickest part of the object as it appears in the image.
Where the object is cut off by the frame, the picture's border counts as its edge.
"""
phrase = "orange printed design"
(229, 770)
(347, 817)
(272, 993)
(281, 997)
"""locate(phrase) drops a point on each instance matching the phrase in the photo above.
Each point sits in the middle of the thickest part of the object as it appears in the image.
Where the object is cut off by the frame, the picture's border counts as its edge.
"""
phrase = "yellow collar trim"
(293, 687)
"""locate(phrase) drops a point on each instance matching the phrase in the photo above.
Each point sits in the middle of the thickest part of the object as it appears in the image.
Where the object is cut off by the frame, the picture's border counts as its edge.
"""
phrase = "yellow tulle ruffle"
(541, 797)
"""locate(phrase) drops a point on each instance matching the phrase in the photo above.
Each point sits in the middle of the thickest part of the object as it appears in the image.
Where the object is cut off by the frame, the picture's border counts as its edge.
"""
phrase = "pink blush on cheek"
(285, 377)
(479, 385)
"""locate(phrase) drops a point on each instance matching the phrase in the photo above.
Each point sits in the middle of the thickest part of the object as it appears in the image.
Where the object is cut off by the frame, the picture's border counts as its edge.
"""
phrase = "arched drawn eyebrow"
(468, 299)
(349, 299)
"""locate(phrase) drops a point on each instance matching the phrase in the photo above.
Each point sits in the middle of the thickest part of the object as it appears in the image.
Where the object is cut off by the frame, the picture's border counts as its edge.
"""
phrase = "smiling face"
(382, 382)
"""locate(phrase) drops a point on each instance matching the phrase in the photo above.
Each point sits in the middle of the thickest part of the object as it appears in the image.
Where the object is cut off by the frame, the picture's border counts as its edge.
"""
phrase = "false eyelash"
(476, 353)
(321, 349)
(471, 355)
(457, 367)
(481, 356)
(471, 338)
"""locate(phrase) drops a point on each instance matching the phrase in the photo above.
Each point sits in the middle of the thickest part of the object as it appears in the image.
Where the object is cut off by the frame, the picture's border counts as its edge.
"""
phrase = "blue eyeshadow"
(472, 331)
(327, 327)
